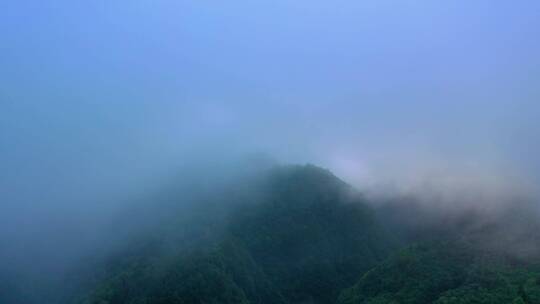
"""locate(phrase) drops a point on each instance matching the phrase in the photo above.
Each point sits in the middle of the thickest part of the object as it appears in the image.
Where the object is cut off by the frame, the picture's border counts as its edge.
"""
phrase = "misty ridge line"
(445, 206)
(494, 213)
(508, 232)
(497, 213)
(494, 220)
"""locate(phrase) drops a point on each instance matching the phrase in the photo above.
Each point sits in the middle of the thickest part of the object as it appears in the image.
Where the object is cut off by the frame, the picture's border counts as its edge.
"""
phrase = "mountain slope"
(445, 273)
(300, 236)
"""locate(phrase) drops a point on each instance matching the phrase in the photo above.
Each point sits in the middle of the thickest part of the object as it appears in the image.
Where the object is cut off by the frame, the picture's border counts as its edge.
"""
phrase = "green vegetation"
(300, 235)
(302, 238)
(445, 273)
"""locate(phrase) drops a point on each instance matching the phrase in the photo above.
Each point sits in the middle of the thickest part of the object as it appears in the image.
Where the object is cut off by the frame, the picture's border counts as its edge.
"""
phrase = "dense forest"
(301, 238)
(291, 234)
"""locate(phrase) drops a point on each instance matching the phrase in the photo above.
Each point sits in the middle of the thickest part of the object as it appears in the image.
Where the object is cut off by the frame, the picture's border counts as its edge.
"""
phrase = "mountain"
(297, 234)
(446, 272)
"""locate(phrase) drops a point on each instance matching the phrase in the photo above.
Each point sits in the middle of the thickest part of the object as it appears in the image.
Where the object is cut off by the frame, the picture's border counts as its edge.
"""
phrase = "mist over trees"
(293, 234)
(270, 151)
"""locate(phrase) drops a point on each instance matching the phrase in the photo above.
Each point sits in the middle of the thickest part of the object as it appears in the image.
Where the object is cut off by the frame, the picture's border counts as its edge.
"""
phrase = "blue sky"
(98, 93)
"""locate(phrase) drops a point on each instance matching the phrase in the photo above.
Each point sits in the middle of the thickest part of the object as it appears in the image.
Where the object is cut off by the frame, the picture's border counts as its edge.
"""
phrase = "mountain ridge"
(305, 239)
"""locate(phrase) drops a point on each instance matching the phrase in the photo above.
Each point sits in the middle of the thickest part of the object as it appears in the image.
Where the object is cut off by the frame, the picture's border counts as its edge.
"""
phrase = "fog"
(104, 103)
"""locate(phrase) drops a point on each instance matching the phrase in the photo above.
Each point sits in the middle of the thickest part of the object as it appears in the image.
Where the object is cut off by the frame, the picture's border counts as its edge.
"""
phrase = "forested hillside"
(446, 273)
(298, 234)
(302, 237)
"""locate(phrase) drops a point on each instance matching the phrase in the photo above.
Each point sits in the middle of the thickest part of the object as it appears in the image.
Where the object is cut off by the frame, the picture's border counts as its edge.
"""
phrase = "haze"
(101, 101)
